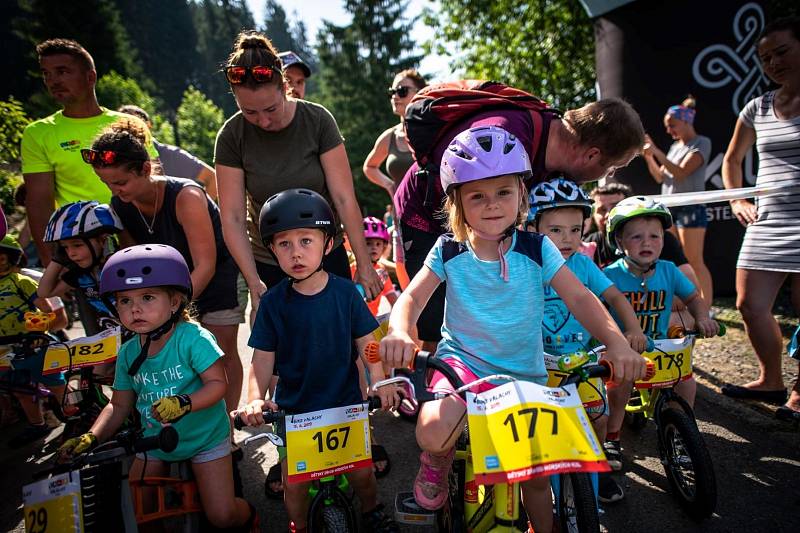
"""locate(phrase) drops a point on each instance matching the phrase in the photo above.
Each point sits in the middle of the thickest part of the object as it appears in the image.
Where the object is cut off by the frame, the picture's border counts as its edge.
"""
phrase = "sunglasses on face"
(401, 91)
(102, 158)
(259, 74)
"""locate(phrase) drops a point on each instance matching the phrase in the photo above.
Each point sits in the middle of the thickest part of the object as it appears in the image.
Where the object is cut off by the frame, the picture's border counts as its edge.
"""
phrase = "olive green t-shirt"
(274, 161)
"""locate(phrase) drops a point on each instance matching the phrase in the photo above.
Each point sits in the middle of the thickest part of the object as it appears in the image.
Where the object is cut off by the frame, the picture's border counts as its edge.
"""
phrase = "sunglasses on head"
(401, 91)
(260, 74)
(102, 158)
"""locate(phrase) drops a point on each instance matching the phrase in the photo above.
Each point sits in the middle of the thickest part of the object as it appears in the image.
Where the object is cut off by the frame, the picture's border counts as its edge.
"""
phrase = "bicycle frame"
(495, 509)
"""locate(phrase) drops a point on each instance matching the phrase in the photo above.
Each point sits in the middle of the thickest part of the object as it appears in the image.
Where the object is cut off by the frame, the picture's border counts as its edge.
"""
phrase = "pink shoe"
(430, 486)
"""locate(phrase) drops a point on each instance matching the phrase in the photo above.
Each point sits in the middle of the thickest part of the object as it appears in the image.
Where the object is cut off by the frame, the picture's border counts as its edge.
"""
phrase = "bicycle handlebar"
(270, 417)
(20, 338)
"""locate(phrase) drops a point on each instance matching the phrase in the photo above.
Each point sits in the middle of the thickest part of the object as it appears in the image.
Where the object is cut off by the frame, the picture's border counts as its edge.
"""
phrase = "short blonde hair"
(457, 222)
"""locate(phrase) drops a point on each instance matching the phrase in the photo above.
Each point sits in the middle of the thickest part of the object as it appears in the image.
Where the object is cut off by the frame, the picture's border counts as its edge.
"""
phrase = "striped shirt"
(773, 241)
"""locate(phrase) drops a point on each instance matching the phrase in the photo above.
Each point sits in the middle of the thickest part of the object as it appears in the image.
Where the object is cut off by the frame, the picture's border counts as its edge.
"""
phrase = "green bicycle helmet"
(630, 208)
(11, 247)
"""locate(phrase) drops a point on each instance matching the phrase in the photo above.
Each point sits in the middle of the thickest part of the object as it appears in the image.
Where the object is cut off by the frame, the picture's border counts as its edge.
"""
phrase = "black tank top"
(220, 292)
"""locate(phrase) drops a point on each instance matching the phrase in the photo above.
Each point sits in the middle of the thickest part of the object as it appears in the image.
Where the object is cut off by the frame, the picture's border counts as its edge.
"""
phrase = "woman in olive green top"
(272, 144)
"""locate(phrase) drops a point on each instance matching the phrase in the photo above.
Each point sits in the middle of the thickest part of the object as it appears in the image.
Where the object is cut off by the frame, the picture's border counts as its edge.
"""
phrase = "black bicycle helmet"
(295, 209)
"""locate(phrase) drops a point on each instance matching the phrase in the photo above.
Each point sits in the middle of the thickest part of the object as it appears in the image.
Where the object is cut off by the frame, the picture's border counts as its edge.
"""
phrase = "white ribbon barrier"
(724, 195)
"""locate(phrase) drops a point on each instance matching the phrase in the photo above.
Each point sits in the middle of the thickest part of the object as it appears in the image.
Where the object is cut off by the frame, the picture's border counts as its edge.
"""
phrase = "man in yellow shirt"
(52, 167)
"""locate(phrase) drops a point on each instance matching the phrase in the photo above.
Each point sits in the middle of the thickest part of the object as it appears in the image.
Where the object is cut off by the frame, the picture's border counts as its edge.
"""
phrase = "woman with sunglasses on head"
(156, 209)
(274, 143)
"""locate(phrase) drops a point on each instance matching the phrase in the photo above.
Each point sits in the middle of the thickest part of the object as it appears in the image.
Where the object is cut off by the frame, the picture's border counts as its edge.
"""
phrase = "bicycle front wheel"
(688, 464)
(331, 512)
(577, 508)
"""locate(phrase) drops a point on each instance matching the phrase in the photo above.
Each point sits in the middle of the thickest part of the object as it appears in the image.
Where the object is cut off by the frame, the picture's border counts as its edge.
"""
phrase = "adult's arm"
(233, 212)
(679, 171)
(39, 204)
(372, 165)
(192, 211)
(340, 184)
(208, 179)
(743, 138)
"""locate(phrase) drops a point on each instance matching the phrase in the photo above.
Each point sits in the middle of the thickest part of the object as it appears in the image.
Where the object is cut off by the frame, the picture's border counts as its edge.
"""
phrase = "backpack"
(436, 107)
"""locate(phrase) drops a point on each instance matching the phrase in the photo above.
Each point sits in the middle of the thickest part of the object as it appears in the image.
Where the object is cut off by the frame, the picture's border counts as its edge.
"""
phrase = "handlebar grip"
(651, 370)
(372, 352)
(722, 329)
(373, 402)
(166, 441)
(269, 418)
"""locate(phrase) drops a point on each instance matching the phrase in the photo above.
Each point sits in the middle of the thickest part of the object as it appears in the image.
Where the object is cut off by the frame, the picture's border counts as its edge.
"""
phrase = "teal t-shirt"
(494, 326)
(561, 331)
(651, 298)
(176, 369)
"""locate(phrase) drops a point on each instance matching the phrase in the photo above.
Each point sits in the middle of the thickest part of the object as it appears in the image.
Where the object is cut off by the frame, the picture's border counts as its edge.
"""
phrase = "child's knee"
(537, 484)
(222, 515)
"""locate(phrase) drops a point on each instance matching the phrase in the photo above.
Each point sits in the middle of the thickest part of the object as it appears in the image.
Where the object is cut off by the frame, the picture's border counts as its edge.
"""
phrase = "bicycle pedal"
(406, 511)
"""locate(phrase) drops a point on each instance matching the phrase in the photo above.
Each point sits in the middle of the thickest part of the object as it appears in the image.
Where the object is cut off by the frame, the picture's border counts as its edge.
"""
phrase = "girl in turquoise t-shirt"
(172, 373)
(493, 306)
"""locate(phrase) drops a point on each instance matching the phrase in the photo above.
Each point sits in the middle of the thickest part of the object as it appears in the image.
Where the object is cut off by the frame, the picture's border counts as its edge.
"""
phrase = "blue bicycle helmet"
(81, 220)
(558, 192)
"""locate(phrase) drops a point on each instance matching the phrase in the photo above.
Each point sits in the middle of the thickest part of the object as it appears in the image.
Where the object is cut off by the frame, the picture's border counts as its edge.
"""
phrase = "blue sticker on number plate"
(492, 461)
(301, 466)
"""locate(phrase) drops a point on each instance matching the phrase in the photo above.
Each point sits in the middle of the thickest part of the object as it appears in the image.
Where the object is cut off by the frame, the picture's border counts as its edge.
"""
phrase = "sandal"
(776, 397)
(274, 478)
(787, 413)
(379, 455)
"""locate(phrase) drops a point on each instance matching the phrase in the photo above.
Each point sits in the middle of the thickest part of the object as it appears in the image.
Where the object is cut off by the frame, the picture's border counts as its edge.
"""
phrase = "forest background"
(165, 56)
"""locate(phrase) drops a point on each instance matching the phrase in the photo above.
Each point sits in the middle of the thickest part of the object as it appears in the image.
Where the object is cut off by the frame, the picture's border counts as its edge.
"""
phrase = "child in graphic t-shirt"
(636, 227)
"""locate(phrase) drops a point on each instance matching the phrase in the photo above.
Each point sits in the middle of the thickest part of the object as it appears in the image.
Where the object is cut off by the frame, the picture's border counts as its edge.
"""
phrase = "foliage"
(371, 50)
(544, 47)
(198, 121)
(9, 181)
(286, 35)
(217, 24)
(163, 34)
(162, 130)
(114, 91)
(12, 121)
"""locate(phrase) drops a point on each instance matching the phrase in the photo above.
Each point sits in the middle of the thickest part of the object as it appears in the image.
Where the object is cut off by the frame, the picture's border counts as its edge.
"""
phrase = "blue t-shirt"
(176, 369)
(562, 333)
(90, 287)
(312, 337)
(650, 298)
(491, 325)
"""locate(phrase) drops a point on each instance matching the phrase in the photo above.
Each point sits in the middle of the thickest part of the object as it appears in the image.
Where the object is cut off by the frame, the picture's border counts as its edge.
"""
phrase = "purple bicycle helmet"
(143, 266)
(481, 153)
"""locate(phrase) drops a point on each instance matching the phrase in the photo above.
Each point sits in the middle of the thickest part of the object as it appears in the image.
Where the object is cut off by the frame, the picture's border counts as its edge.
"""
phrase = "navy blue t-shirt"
(312, 339)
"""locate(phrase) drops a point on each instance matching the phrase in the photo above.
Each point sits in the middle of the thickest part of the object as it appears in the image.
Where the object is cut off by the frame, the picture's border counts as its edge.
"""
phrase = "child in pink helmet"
(494, 302)
(377, 235)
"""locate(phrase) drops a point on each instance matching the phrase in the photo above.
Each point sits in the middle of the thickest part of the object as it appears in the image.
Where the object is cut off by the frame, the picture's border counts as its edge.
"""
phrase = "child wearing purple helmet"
(172, 373)
(494, 301)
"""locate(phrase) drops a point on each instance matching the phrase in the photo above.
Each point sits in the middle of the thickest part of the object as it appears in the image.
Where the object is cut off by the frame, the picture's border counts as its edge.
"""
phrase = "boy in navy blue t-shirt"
(304, 329)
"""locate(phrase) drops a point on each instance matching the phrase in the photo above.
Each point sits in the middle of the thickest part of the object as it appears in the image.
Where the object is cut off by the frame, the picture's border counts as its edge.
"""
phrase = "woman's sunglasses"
(260, 74)
(401, 91)
(103, 158)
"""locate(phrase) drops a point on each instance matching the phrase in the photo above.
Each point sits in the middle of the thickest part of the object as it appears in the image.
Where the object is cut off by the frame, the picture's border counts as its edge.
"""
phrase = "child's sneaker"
(376, 521)
(613, 454)
(430, 486)
(608, 490)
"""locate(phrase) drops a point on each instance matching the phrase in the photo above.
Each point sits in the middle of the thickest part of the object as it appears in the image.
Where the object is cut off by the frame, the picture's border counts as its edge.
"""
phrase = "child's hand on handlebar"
(251, 415)
(707, 326)
(627, 365)
(389, 395)
(398, 349)
(75, 446)
(637, 340)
